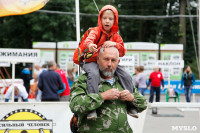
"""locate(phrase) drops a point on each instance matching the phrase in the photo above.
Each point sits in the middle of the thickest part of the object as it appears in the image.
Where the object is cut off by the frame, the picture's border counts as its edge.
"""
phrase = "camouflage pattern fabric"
(112, 114)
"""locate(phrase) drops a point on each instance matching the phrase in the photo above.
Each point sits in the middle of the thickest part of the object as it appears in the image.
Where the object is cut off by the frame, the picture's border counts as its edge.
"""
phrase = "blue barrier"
(176, 85)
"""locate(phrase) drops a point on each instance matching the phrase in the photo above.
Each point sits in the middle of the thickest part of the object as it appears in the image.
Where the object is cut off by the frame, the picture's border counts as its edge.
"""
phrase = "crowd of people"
(53, 84)
(153, 84)
(156, 82)
(50, 83)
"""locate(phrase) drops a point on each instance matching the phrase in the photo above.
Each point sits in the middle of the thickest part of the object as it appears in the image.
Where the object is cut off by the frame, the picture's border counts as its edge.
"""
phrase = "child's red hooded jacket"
(114, 36)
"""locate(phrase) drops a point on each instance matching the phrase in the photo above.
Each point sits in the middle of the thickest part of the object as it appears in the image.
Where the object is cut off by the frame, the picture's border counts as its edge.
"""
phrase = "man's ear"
(97, 59)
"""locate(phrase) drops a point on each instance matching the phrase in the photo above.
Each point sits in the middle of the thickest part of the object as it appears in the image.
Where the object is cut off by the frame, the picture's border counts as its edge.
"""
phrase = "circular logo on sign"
(25, 121)
(159, 75)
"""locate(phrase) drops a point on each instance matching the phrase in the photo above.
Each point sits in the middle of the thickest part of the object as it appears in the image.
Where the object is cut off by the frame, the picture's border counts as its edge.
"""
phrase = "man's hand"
(111, 94)
(92, 47)
(125, 95)
(109, 44)
(148, 88)
(181, 88)
(163, 88)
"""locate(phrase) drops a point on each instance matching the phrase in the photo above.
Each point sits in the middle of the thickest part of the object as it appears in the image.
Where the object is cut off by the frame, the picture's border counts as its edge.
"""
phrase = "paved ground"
(168, 120)
(172, 120)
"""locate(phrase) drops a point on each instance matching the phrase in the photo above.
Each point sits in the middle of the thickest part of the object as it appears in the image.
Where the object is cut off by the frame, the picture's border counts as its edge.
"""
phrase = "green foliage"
(21, 31)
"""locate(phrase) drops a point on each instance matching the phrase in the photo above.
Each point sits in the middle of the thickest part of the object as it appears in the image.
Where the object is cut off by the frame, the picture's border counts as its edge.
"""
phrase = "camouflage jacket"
(112, 114)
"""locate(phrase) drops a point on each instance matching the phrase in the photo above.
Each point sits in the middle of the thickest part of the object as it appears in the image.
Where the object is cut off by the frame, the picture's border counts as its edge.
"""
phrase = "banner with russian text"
(20, 7)
(41, 117)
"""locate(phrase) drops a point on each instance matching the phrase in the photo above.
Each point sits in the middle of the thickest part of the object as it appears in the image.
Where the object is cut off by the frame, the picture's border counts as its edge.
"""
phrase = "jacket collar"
(101, 80)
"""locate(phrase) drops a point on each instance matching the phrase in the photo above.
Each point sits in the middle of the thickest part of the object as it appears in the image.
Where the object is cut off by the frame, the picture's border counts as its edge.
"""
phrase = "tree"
(182, 25)
(21, 31)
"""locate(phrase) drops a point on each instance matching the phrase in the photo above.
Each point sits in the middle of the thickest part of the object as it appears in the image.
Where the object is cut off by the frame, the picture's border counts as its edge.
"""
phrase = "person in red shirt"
(155, 79)
(64, 96)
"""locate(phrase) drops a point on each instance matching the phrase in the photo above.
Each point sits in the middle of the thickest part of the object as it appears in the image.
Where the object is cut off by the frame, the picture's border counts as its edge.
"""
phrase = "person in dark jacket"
(26, 77)
(188, 79)
(50, 83)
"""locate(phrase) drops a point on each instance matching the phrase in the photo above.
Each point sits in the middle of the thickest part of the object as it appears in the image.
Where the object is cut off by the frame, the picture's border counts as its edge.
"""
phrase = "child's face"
(107, 20)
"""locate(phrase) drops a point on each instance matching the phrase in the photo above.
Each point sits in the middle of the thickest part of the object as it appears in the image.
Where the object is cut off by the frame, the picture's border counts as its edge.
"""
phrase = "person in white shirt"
(19, 90)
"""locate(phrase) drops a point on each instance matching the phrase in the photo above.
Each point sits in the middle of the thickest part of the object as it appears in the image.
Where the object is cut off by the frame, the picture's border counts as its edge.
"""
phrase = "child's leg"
(125, 79)
(92, 69)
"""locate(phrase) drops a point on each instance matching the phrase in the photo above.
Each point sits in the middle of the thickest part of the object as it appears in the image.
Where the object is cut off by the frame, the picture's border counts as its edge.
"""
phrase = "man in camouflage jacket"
(110, 103)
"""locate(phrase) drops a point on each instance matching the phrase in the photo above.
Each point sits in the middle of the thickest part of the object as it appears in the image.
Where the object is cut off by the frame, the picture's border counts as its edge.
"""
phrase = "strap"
(109, 38)
(82, 60)
(99, 37)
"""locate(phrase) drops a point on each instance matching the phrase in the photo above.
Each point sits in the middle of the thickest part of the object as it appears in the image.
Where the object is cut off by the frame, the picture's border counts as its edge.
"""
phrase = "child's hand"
(109, 44)
(93, 47)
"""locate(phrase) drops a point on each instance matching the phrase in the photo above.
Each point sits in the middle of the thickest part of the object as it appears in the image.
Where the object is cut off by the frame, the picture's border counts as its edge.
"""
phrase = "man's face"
(37, 67)
(54, 67)
(156, 69)
(107, 20)
(108, 62)
(16, 92)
